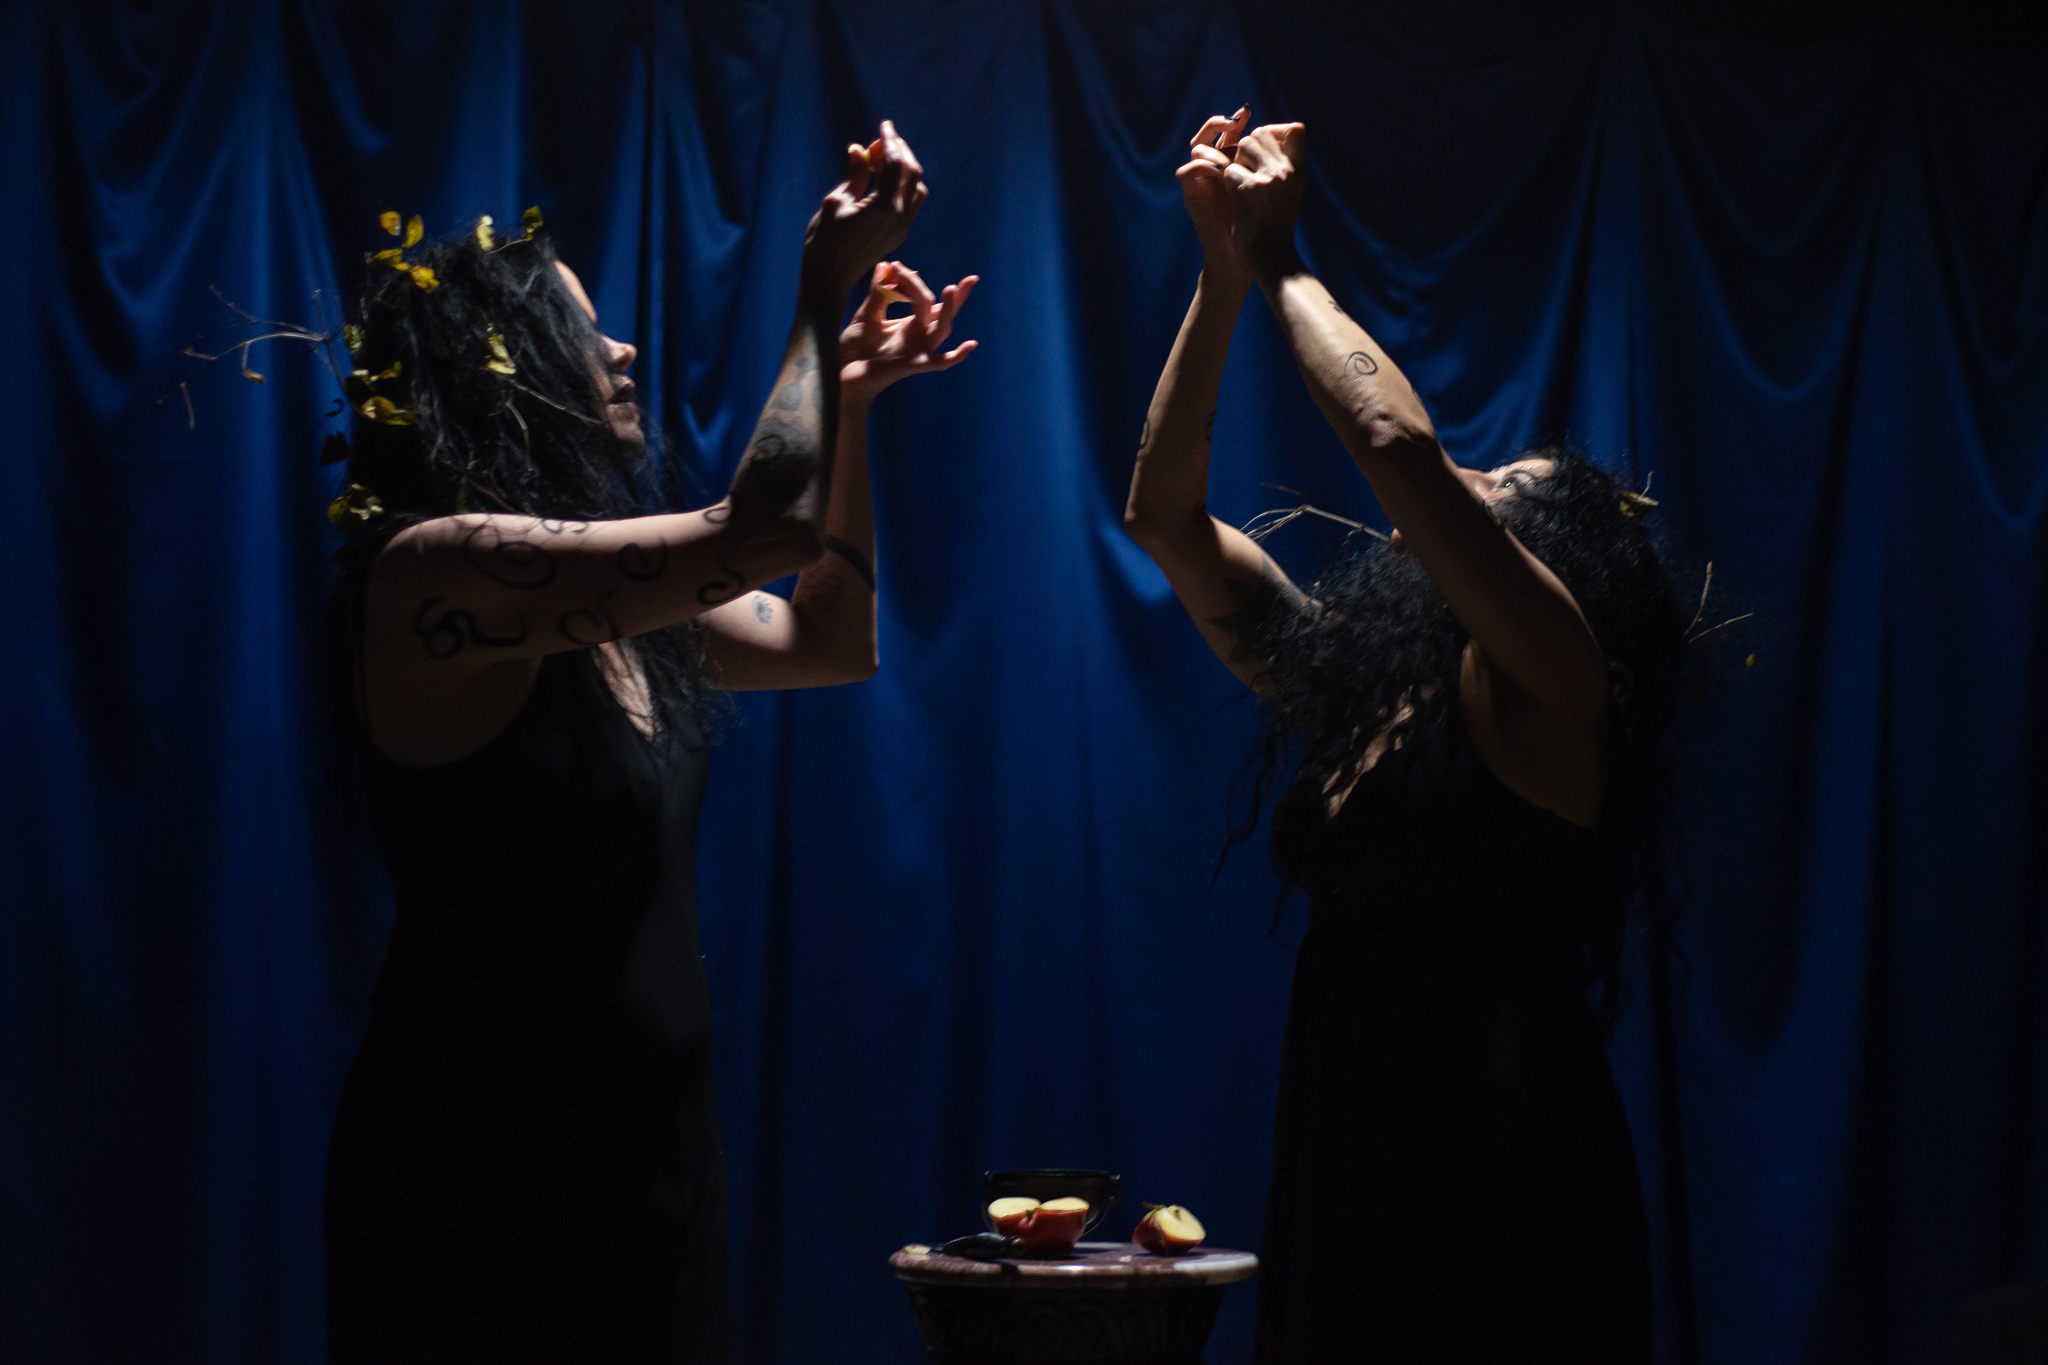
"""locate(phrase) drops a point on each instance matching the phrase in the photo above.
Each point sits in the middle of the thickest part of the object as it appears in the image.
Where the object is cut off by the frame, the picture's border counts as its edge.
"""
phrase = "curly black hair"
(1386, 640)
(494, 375)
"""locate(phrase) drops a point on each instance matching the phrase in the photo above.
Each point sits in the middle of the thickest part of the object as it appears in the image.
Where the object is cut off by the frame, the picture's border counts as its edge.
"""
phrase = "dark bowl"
(1099, 1188)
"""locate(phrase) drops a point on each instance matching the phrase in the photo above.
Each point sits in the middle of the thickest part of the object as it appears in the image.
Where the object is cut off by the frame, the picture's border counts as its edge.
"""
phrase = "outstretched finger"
(950, 301)
(1219, 126)
(954, 356)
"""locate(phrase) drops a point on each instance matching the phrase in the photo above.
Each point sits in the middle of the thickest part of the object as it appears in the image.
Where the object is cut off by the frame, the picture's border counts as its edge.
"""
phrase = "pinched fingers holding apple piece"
(868, 215)
(877, 350)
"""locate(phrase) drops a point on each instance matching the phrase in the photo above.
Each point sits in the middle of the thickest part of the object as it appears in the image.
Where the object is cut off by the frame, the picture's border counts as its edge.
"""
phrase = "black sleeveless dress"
(526, 1162)
(1452, 1174)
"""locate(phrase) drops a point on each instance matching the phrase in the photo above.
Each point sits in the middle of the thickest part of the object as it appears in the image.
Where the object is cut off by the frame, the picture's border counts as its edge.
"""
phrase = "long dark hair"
(481, 394)
(1386, 640)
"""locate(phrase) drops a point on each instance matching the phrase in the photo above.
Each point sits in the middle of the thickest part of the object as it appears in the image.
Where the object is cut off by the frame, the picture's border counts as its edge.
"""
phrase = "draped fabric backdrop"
(961, 916)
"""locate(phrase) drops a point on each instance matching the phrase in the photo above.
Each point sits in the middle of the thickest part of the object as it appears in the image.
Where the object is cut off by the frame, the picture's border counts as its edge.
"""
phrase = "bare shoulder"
(1555, 762)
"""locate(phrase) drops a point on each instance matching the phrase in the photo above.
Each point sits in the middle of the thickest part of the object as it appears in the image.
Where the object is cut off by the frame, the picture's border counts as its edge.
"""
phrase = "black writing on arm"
(446, 633)
(1361, 364)
(516, 558)
(590, 626)
(1254, 608)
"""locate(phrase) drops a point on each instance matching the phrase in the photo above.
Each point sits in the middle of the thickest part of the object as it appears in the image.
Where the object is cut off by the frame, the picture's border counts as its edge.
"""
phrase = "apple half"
(1007, 1215)
(1053, 1226)
(1168, 1230)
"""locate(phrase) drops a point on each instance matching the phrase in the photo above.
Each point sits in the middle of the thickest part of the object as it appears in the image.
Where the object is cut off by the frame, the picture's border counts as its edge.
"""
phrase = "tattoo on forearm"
(1339, 307)
(1359, 363)
(721, 589)
(450, 632)
(515, 563)
(789, 394)
(641, 565)
(852, 555)
(594, 622)
(1255, 605)
(764, 609)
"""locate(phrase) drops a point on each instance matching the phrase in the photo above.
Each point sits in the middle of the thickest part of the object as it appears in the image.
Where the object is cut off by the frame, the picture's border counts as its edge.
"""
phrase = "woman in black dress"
(525, 1165)
(1481, 709)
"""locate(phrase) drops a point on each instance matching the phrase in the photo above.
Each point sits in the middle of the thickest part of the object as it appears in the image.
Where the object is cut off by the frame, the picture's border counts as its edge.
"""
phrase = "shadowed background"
(961, 917)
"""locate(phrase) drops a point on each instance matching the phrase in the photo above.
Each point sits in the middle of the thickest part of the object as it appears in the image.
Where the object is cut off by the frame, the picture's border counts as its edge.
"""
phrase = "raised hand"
(876, 350)
(867, 215)
(1265, 175)
(1207, 195)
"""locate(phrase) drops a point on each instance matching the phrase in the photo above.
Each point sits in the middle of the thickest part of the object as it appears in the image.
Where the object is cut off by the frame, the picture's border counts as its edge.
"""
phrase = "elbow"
(1144, 525)
(1389, 430)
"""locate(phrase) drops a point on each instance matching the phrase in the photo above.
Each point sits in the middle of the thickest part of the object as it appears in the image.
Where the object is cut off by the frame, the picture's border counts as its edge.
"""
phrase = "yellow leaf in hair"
(501, 359)
(353, 335)
(484, 238)
(390, 221)
(394, 258)
(248, 373)
(531, 219)
(391, 373)
(414, 231)
(423, 276)
(385, 412)
(337, 511)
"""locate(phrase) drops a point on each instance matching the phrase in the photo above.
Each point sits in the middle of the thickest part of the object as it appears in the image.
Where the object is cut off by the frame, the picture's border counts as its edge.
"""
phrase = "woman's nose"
(622, 354)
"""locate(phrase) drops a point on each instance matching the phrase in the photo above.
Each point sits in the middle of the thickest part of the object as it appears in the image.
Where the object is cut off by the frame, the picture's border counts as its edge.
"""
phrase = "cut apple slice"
(1168, 1230)
(1005, 1214)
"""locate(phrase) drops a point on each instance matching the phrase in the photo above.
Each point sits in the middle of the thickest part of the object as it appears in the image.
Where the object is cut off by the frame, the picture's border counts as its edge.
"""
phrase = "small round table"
(1109, 1303)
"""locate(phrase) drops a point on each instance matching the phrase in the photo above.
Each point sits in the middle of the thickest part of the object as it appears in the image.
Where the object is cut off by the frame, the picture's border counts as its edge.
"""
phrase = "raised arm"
(1531, 631)
(1227, 584)
(825, 633)
(472, 591)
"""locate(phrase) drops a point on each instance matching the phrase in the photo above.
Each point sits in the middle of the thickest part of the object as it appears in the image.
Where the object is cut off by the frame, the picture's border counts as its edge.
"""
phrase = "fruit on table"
(1168, 1230)
(1007, 1214)
(1054, 1225)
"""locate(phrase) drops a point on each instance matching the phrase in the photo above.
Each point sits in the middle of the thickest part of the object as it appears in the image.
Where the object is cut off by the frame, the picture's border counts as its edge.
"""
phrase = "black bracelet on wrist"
(854, 557)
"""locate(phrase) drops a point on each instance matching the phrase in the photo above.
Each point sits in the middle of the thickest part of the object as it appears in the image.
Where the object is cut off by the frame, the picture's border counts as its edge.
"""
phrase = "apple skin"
(1168, 1231)
(1054, 1225)
(1007, 1215)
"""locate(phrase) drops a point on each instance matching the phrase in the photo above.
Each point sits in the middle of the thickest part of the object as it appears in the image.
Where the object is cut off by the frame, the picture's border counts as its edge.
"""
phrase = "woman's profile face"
(1497, 485)
(613, 383)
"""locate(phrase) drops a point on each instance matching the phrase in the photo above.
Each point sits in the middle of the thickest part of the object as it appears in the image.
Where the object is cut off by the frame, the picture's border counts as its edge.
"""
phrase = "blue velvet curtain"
(961, 916)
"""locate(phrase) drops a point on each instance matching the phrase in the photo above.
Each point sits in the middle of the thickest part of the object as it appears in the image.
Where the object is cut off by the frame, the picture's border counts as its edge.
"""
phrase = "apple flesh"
(1168, 1230)
(1054, 1225)
(1006, 1215)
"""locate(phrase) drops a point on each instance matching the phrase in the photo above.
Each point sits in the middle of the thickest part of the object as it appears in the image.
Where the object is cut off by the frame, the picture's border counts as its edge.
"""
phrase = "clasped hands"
(862, 220)
(1243, 191)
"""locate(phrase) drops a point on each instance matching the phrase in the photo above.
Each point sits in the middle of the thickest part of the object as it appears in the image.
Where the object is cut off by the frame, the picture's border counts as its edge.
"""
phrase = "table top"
(1092, 1265)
